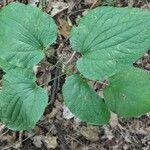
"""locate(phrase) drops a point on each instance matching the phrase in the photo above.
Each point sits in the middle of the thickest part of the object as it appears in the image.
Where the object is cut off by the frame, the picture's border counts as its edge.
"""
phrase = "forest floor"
(58, 129)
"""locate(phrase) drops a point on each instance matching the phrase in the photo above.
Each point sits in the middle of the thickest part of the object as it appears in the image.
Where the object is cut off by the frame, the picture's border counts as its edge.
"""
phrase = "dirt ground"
(58, 129)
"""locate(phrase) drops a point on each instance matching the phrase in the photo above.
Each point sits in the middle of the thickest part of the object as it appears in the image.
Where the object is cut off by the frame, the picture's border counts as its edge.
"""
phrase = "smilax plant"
(109, 40)
(24, 32)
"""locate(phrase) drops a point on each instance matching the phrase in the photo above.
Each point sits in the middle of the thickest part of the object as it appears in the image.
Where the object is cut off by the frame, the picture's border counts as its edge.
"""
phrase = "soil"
(56, 132)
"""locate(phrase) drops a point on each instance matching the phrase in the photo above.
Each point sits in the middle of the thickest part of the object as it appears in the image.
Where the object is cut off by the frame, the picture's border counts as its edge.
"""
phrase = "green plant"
(109, 40)
(25, 32)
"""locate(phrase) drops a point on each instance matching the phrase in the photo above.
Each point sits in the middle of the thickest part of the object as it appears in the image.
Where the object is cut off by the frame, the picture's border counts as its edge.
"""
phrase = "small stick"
(55, 85)
(60, 135)
(4, 133)
(13, 145)
(20, 138)
(71, 58)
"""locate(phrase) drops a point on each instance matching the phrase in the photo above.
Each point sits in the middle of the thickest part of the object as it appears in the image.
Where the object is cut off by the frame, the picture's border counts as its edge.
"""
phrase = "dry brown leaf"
(37, 141)
(33, 2)
(11, 138)
(146, 6)
(2, 126)
(64, 28)
(91, 2)
(108, 133)
(90, 133)
(51, 141)
(58, 7)
(131, 3)
(114, 119)
(66, 113)
(43, 73)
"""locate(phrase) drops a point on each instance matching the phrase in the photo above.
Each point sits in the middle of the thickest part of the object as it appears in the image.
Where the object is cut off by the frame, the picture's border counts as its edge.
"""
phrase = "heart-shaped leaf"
(83, 101)
(22, 102)
(5, 65)
(109, 37)
(128, 94)
(25, 32)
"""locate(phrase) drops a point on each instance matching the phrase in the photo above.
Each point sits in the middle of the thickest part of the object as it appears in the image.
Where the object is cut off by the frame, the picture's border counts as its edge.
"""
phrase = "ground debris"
(120, 134)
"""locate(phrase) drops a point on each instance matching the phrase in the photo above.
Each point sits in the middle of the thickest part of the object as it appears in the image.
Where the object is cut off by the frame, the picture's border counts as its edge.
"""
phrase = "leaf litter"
(123, 134)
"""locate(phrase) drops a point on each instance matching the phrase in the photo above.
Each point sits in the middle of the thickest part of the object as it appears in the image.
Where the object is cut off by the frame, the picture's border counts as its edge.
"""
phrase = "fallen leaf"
(130, 3)
(58, 7)
(43, 73)
(108, 133)
(91, 2)
(2, 126)
(37, 141)
(67, 113)
(114, 119)
(51, 141)
(90, 133)
(64, 28)
(33, 2)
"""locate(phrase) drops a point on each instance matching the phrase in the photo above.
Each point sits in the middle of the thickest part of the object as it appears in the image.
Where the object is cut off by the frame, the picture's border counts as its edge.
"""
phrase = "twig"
(93, 5)
(71, 58)
(20, 138)
(66, 69)
(74, 139)
(103, 83)
(55, 85)
(76, 11)
(8, 147)
(4, 133)
(57, 77)
(60, 11)
(28, 138)
(60, 135)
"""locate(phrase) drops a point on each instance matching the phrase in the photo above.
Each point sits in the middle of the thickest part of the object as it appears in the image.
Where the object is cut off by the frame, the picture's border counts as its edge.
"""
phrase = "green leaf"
(5, 65)
(25, 32)
(128, 93)
(83, 101)
(22, 102)
(109, 37)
